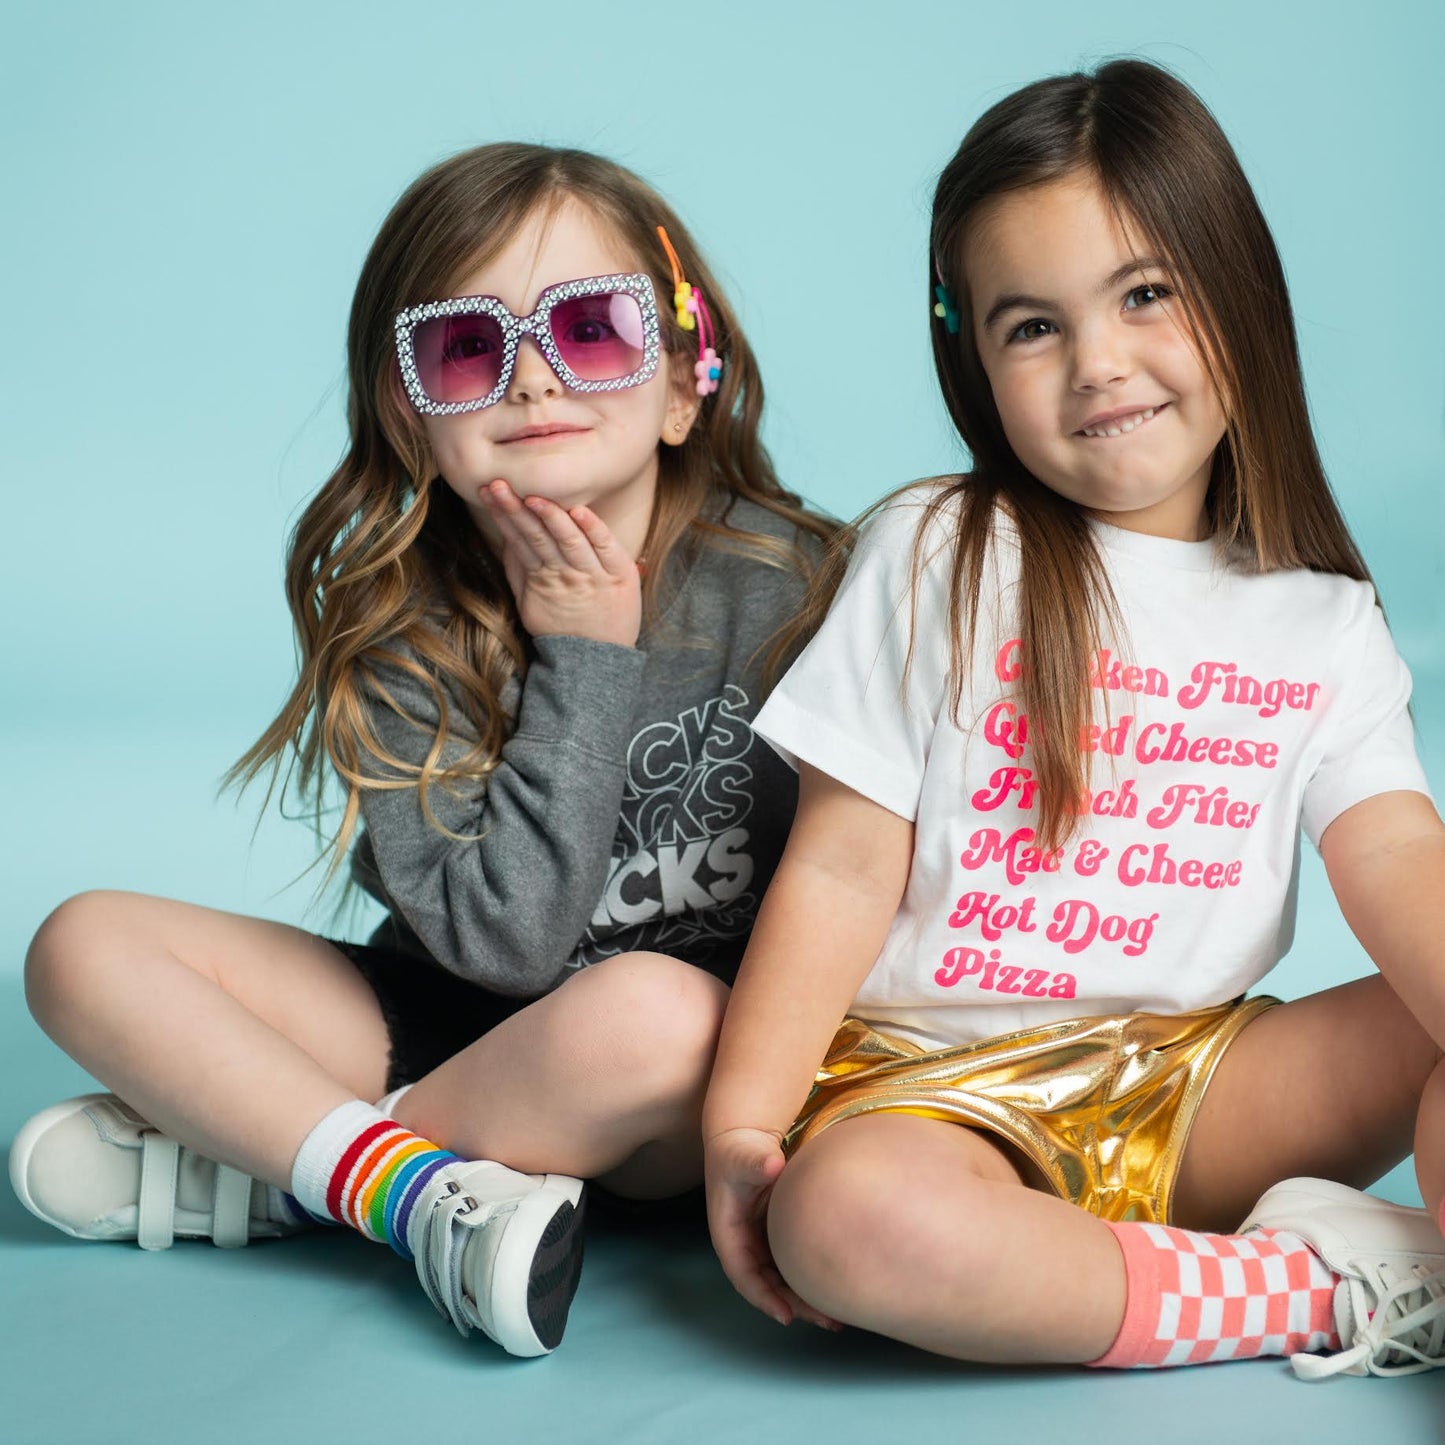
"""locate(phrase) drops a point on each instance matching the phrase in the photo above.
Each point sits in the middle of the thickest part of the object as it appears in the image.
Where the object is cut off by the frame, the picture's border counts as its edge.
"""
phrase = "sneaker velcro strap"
(231, 1208)
(159, 1170)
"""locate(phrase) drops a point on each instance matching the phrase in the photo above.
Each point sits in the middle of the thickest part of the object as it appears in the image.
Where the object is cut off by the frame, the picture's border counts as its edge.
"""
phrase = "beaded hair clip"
(693, 315)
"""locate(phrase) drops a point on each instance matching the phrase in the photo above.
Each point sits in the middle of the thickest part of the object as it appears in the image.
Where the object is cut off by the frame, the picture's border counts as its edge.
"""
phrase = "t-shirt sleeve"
(1369, 742)
(854, 705)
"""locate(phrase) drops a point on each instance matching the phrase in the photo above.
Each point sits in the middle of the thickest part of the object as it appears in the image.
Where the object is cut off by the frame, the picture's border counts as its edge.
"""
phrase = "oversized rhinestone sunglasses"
(598, 333)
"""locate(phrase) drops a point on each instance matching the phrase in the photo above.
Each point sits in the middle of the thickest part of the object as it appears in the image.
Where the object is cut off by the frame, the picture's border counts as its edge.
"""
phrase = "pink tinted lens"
(600, 337)
(458, 358)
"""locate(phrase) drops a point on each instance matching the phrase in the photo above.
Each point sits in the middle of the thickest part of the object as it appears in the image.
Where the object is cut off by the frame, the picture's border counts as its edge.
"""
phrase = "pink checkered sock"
(1192, 1298)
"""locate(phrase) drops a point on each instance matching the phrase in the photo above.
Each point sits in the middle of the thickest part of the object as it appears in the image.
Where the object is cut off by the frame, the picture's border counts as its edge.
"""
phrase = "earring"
(693, 315)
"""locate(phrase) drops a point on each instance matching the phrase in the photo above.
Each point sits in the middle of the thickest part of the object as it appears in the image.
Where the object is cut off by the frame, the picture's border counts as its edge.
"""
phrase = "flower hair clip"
(685, 303)
(693, 315)
(708, 367)
(945, 309)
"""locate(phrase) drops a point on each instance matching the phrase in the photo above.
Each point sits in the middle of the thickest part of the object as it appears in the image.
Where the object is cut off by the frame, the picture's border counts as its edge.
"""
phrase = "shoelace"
(439, 1259)
(156, 1208)
(1409, 1320)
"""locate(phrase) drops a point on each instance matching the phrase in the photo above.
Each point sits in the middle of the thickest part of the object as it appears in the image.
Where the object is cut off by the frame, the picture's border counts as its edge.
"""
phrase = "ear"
(683, 402)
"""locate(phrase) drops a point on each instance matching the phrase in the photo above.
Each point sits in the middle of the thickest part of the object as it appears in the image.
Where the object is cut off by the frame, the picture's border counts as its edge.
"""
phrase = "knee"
(650, 1016)
(67, 949)
(827, 1200)
(849, 1216)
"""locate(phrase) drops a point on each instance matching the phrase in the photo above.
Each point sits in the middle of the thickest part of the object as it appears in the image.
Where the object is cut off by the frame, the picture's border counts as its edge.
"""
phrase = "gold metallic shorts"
(1102, 1106)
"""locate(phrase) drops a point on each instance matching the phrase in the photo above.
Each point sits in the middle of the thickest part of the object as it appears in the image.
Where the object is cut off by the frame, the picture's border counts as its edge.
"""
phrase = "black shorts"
(430, 1014)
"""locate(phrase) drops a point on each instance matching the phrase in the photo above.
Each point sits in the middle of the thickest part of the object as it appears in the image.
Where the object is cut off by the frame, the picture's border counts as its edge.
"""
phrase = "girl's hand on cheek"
(568, 573)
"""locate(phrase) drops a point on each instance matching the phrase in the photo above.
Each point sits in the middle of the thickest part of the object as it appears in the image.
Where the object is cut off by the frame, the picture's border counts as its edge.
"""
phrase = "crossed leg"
(235, 1036)
(931, 1233)
(1339, 1085)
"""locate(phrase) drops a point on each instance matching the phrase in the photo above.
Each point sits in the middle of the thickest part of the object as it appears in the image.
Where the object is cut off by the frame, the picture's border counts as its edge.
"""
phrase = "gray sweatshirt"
(633, 808)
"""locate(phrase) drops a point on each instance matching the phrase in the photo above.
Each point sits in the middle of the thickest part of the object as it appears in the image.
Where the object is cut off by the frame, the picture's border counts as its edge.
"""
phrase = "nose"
(532, 376)
(1100, 357)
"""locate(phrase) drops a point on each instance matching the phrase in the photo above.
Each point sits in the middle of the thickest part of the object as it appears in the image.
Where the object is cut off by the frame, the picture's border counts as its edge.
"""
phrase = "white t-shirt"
(1233, 707)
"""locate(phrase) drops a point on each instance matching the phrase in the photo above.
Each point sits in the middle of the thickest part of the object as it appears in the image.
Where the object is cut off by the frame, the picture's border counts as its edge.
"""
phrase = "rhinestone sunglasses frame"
(536, 325)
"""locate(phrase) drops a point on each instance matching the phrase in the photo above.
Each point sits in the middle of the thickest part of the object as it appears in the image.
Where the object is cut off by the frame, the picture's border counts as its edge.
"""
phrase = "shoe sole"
(555, 1274)
(539, 1262)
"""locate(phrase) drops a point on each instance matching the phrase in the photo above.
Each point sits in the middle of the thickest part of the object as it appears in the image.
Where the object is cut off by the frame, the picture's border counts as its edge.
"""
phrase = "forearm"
(505, 899)
(505, 905)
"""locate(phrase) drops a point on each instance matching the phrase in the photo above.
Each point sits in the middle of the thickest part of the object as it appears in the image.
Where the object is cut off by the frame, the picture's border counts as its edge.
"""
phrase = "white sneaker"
(500, 1251)
(91, 1166)
(1390, 1302)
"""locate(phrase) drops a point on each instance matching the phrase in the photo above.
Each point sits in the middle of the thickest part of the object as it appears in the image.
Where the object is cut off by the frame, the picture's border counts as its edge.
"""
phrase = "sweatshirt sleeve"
(504, 905)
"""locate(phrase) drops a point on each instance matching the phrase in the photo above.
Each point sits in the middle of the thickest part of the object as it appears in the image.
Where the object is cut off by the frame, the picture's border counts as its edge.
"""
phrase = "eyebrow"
(1018, 301)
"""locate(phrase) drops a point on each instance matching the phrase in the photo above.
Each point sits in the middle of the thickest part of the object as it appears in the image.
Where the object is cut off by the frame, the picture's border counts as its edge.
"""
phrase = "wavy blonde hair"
(385, 568)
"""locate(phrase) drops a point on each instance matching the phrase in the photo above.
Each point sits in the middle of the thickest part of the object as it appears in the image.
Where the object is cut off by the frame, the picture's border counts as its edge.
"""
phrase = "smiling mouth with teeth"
(1123, 426)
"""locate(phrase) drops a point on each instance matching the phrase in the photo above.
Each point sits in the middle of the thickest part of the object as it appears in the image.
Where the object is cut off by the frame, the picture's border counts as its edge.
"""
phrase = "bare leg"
(603, 1078)
(232, 1034)
(1330, 1086)
(1430, 1142)
(235, 1036)
(926, 1232)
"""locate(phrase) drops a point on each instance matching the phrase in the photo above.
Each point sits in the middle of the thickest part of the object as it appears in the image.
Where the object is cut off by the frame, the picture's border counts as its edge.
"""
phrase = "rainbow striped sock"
(363, 1169)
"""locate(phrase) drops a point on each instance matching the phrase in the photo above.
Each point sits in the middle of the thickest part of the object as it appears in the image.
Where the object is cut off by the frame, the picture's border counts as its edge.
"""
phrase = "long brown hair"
(1163, 164)
(385, 567)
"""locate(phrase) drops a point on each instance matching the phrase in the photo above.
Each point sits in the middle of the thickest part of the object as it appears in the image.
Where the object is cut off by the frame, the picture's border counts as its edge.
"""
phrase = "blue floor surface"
(323, 1338)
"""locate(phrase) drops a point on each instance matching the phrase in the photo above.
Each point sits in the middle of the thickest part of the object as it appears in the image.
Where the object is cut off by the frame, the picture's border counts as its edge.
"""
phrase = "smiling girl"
(1057, 740)
(532, 604)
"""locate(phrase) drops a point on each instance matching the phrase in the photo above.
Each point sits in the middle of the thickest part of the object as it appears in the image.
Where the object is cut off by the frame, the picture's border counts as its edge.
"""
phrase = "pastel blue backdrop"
(188, 191)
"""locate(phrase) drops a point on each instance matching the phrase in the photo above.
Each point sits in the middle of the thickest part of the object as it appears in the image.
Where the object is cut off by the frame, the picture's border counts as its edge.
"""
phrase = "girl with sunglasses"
(1057, 740)
(533, 606)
